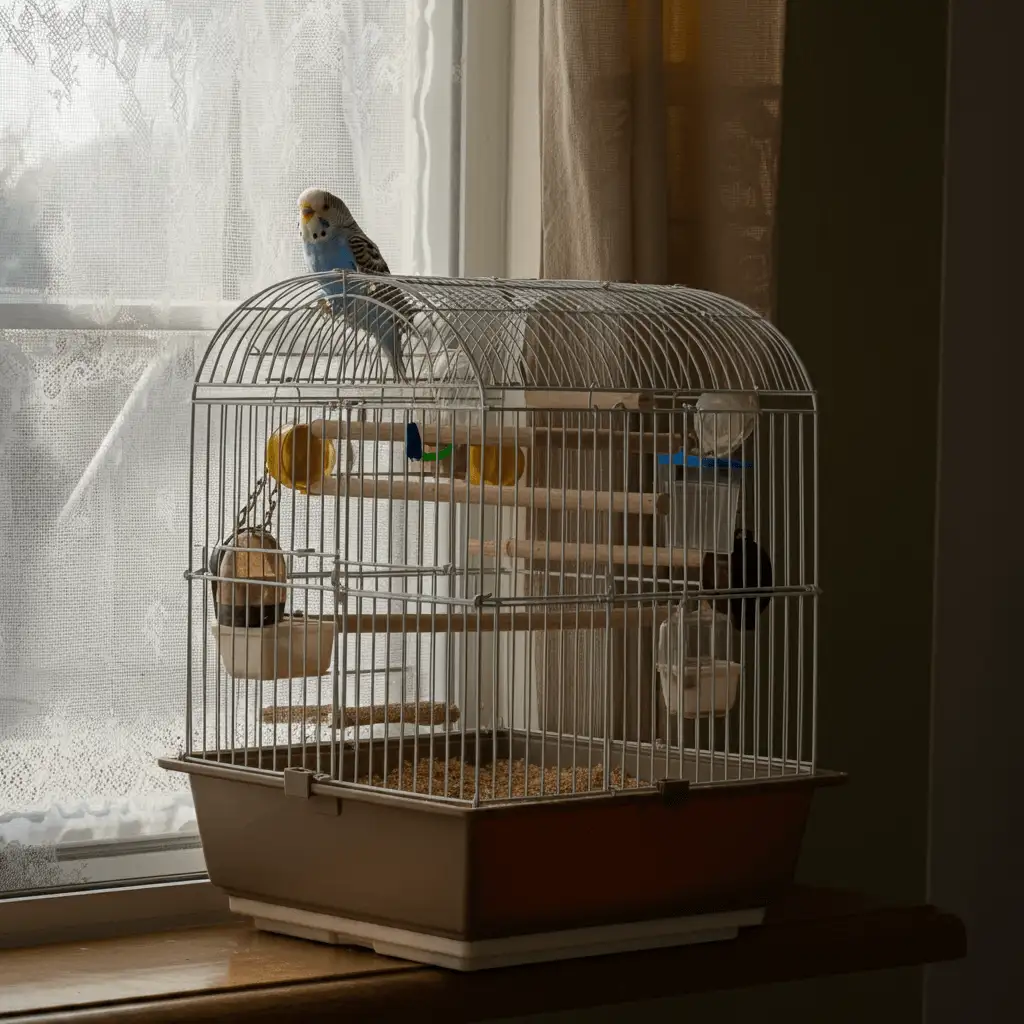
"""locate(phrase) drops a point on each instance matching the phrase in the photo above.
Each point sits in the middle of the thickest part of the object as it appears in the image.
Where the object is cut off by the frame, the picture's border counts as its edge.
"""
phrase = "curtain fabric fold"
(659, 142)
(659, 151)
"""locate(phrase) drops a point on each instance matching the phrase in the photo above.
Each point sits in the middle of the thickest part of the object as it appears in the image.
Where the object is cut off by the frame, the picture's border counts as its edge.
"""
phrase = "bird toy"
(414, 447)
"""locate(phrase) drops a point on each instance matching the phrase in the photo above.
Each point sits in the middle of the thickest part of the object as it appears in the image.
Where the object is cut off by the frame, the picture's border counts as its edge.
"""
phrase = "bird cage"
(508, 655)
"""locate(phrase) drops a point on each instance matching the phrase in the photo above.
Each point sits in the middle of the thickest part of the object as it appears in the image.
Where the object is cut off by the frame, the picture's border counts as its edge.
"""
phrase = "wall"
(977, 822)
(860, 244)
(860, 235)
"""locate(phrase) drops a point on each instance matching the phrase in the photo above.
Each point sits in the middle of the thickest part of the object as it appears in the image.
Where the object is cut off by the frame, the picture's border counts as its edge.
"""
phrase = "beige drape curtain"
(659, 143)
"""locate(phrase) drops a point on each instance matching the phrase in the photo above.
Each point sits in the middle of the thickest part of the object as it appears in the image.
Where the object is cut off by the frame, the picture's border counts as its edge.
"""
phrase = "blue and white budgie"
(332, 240)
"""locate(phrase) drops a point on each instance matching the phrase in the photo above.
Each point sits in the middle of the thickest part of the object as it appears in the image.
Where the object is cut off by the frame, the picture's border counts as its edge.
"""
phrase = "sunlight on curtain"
(659, 154)
(660, 141)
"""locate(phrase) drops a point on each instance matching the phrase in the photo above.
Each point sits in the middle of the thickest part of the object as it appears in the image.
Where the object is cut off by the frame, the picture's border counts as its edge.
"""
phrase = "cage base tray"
(459, 955)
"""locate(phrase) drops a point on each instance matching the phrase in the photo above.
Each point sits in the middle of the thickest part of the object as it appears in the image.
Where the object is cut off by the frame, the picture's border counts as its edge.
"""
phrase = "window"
(150, 157)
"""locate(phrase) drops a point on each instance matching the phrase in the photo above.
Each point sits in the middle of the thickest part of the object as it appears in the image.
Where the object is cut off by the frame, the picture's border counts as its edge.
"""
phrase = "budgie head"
(323, 217)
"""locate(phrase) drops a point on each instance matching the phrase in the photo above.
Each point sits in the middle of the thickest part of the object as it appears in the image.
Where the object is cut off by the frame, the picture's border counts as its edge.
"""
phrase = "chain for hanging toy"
(249, 509)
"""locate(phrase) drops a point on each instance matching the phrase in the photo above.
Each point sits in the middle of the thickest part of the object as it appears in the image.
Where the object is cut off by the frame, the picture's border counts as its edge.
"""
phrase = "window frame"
(498, 119)
(111, 911)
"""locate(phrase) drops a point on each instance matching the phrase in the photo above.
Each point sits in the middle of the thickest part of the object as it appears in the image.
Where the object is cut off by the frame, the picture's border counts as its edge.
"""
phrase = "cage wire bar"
(572, 549)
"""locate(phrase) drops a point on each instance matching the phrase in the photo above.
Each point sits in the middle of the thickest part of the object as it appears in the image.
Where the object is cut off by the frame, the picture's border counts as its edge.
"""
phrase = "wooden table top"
(234, 972)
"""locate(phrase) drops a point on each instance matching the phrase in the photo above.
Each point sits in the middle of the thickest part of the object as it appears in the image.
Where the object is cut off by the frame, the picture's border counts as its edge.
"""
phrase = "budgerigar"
(332, 240)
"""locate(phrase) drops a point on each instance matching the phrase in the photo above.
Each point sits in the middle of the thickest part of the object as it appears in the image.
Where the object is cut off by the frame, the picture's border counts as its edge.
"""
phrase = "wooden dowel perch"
(555, 617)
(571, 553)
(555, 499)
(423, 713)
(583, 437)
(632, 401)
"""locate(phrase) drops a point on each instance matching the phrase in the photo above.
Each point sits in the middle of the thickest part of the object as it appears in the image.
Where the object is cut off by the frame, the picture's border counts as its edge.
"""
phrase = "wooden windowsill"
(234, 972)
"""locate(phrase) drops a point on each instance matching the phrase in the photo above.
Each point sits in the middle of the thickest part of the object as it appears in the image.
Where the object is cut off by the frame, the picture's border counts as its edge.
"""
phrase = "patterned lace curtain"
(659, 153)
(150, 158)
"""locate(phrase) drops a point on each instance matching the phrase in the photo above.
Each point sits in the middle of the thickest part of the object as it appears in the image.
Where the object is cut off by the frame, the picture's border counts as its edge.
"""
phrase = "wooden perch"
(436, 436)
(631, 401)
(571, 553)
(400, 489)
(422, 713)
(554, 617)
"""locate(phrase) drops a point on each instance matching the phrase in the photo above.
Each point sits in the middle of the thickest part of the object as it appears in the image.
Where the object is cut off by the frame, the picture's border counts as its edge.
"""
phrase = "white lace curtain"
(150, 157)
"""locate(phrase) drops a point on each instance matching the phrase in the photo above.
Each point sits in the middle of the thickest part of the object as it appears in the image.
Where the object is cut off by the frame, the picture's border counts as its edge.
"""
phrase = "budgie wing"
(382, 323)
(369, 261)
(367, 255)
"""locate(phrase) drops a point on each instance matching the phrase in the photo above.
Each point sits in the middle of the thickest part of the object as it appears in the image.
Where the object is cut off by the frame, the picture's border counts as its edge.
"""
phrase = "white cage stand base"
(458, 955)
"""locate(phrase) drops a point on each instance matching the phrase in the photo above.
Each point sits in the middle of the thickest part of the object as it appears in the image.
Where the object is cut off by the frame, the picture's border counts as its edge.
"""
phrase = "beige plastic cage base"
(459, 955)
(289, 649)
(442, 882)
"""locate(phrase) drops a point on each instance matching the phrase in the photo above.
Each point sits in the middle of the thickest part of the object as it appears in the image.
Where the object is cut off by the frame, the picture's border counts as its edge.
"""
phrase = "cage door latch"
(674, 791)
(298, 782)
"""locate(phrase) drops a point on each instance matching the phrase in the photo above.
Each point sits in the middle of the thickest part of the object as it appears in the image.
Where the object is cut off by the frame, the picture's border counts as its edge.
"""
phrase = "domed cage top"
(459, 546)
(481, 338)
(512, 529)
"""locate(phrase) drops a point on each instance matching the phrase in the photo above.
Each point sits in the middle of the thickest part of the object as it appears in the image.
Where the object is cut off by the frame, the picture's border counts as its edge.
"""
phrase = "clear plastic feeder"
(706, 494)
(696, 675)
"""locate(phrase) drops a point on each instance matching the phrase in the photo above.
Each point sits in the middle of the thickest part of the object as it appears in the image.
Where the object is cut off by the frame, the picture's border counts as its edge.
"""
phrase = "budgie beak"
(306, 212)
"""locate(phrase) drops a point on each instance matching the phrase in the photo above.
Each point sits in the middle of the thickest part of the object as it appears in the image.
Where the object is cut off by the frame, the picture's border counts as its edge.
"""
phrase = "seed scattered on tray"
(428, 714)
(525, 781)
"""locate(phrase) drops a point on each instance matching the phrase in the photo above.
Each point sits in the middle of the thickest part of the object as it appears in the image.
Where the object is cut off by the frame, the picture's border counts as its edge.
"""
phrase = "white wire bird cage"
(518, 643)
